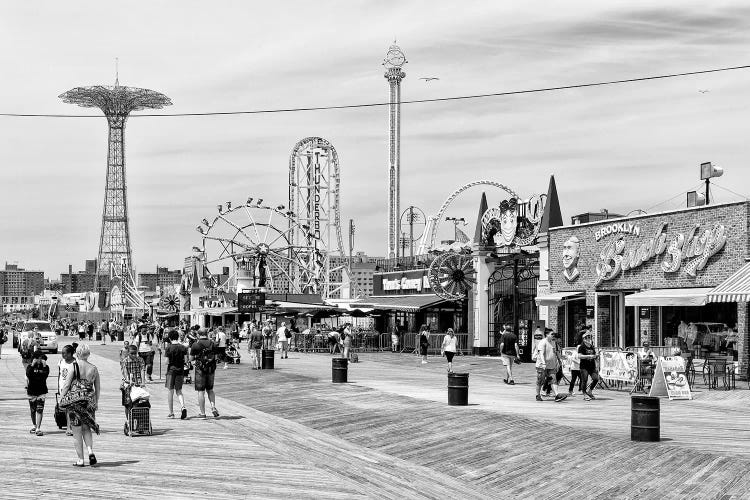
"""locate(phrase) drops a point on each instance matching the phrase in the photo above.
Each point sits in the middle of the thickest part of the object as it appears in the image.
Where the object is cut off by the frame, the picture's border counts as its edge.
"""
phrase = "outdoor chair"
(717, 369)
(645, 375)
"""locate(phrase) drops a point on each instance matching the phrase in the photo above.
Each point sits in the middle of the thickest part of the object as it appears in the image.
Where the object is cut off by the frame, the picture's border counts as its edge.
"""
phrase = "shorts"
(284, 344)
(36, 403)
(204, 381)
(544, 375)
(507, 359)
(174, 379)
(449, 355)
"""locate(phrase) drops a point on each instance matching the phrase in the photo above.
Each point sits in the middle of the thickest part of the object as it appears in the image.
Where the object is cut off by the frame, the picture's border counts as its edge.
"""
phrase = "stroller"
(137, 411)
(232, 354)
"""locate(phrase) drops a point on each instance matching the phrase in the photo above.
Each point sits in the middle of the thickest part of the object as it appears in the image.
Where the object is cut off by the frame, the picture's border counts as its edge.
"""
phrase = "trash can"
(267, 360)
(458, 389)
(644, 419)
(120, 335)
(339, 370)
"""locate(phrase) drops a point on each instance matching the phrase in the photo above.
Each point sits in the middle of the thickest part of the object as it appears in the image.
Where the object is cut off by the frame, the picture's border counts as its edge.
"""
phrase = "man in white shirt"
(221, 345)
(283, 340)
(547, 364)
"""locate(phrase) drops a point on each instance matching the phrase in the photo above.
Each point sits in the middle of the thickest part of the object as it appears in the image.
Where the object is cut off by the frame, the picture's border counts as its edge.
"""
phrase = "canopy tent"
(736, 288)
(408, 303)
(669, 297)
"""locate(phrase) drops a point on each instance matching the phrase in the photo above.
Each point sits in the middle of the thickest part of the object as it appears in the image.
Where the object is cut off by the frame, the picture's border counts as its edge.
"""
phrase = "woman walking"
(64, 372)
(449, 348)
(80, 397)
(37, 373)
(424, 342)
(346, 340)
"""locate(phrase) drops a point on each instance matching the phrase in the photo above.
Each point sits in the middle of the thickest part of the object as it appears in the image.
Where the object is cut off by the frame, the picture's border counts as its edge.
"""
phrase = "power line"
(744, 197)
(681, 193)
(414, 101)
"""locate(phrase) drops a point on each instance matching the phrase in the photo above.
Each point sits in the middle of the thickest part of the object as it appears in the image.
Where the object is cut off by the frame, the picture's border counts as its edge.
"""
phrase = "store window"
(716, 318)
(576, 320)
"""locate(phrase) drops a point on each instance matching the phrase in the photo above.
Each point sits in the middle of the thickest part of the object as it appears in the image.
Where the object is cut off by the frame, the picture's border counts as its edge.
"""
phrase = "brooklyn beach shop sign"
(691, 250)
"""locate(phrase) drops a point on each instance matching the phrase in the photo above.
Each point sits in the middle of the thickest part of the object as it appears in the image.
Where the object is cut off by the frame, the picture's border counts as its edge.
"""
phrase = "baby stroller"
(137, 411)
(232, 354)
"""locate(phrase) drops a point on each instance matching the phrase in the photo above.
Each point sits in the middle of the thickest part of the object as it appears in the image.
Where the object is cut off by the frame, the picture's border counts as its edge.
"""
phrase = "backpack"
(25, 349)
(206, 361)
(287, 333)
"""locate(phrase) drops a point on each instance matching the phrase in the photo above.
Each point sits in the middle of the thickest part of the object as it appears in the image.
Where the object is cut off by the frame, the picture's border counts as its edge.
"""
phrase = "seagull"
(429, 78)
(703, 91)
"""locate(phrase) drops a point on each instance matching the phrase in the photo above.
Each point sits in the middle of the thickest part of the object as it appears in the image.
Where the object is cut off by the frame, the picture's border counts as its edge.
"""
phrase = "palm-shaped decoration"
(451, 275)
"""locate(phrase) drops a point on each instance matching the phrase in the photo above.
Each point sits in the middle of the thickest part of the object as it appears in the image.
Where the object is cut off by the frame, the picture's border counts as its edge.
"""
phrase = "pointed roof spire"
(478, 237)
(552, 216)
(117, 71)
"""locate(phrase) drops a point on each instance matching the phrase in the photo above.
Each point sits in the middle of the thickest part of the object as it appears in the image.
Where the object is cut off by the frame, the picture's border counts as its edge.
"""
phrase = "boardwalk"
(388, 434)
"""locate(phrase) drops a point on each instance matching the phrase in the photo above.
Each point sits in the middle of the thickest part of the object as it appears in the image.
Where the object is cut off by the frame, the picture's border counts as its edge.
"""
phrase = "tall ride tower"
(116, 102)
(394, 59)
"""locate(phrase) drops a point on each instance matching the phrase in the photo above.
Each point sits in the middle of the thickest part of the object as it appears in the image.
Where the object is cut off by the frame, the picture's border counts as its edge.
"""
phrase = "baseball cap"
(587, 334)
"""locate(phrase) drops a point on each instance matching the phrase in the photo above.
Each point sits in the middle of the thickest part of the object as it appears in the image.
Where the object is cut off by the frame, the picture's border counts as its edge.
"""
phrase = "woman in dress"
(82, 410)
(64, 373)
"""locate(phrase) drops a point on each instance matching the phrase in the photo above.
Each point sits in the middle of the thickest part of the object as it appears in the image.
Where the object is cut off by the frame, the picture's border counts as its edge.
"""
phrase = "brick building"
(636, 279)
(18, 287)
(82, 281)
(162, 278)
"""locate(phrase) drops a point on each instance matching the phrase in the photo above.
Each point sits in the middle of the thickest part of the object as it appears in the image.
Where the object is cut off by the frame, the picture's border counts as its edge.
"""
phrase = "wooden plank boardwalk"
(388, 434)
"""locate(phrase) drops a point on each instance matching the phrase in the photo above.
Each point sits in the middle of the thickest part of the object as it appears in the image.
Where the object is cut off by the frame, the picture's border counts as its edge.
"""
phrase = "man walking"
(104, 330)
(587, 355)
(254, 345)
(204, 358)
(145, 350)
(283, 340)
(509, 352)
(177, 355)
(547, 365)
(221, 346)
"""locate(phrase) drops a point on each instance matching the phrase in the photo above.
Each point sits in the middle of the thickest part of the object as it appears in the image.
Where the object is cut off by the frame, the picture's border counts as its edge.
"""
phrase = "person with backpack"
(27, 348)
(145, 349)
(283, 335)
(203, 355)
(254, 345)
(37, 373)
(177, 355)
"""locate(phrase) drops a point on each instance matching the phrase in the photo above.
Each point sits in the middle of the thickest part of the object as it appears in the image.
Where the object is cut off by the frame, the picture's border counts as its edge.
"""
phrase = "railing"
(375, 342)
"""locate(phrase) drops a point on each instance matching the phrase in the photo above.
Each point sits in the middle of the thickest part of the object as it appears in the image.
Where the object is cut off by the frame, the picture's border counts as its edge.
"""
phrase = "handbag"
(60, 418)
(137, 393)
(78, 392)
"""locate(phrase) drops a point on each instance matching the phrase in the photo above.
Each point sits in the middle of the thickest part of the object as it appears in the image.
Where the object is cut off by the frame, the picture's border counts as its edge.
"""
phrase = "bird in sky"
(429, 78)
(703, 91)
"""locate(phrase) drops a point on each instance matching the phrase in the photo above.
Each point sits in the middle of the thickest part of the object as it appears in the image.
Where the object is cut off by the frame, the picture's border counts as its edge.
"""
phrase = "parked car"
(48, 340)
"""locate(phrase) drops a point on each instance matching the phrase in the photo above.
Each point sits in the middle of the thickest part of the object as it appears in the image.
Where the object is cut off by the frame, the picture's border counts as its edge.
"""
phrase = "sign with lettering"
(618, 365)
(618, 227)
(691, 251)
(670, 379)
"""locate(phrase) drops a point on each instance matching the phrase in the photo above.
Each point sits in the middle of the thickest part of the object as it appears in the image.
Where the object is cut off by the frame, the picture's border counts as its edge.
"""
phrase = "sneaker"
(150, 379)
(215, 412)
(512, 382)
(591, 395)
(225, 367)
(201, 415)
(39, 433)
(561, 397)
(171, 415)
(505, 380)
(539, 398)
(586, 398)
(183, 414)
(424, 362)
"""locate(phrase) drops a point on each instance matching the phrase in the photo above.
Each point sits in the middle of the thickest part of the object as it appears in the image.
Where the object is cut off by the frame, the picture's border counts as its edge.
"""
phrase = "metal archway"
(430, 233)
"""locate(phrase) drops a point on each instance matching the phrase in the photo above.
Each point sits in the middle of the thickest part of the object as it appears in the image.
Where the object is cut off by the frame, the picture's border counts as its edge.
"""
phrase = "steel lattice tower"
(116, 102)
(394, 59)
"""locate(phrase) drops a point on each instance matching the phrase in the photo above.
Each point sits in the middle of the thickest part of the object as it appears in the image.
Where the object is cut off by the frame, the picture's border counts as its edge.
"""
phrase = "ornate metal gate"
(512, 290)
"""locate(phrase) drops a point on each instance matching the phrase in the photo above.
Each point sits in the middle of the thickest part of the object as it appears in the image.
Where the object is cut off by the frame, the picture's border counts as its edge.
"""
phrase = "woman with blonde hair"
(80, 397)
(449, 348)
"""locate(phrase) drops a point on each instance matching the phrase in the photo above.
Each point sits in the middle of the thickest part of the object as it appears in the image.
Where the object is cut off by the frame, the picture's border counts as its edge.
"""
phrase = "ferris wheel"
(251, 246)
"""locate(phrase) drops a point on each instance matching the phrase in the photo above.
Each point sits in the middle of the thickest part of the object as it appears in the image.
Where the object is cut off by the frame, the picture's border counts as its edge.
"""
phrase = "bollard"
(458, 389)
(644, 419)
(339, 370)
(267, 359)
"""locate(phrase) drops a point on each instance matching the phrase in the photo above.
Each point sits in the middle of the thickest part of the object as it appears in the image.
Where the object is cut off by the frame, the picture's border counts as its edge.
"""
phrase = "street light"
(456, 221)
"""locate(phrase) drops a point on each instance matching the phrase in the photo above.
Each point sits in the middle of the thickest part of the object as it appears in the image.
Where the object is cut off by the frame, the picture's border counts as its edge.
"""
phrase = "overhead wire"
(744, 197)
(413, 101)
(681, 193)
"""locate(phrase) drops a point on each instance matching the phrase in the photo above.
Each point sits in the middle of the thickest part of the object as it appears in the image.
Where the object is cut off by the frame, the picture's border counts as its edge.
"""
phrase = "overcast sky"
(618, 147)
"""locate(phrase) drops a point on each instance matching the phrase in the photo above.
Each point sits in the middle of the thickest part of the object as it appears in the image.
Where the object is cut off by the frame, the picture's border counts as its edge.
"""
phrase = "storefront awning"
(669, 297)
(736, 288)
(556, 298)
(408, 303)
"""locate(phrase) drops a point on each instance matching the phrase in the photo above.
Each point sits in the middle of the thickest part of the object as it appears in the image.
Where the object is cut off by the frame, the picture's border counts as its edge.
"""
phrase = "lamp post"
(456, 221)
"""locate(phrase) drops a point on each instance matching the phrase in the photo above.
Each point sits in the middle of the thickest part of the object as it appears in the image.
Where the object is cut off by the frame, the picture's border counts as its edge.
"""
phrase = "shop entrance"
(616, 323)
(512, 289)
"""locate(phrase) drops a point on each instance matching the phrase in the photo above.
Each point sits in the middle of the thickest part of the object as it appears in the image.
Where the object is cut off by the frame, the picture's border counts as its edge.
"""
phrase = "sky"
(619, 147)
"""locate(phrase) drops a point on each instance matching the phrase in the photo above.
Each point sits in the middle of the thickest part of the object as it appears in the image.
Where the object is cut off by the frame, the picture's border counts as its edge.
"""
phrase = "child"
(37, 373)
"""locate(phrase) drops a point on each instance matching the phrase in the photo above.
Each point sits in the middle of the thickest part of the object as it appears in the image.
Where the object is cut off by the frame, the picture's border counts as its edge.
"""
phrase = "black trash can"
(120, 335)
(267, 360)
(339, 370)
(458, 389)
(644, 419)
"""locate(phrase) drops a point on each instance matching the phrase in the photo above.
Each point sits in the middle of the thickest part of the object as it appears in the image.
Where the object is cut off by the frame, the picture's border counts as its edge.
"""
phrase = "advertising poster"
(566, 357)
(670, 379)
(618, 365)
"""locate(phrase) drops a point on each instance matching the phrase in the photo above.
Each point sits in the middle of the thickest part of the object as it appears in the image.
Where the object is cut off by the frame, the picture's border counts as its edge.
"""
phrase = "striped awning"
(736, 288)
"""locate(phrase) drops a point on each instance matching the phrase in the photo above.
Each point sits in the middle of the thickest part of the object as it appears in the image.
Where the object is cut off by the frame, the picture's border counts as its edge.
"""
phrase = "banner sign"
(670, 379)
(567, 355)
(618, 365)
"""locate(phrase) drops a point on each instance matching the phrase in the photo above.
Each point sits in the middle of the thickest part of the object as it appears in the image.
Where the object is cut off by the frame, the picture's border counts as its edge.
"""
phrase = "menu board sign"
(670, 379)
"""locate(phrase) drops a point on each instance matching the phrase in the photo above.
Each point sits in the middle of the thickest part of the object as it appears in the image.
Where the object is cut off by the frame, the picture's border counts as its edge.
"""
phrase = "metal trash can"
(339, 370)
(267, 359)
(458, 389)
(644, 419)
(120, 335)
